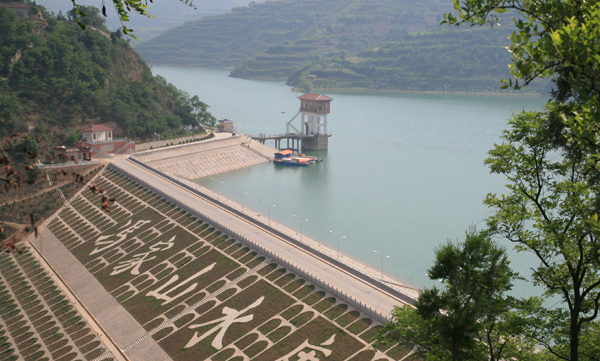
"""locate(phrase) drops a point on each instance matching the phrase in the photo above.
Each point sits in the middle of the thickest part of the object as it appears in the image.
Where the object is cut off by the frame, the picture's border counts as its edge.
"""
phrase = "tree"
(468, 319)
(123, 7)
(18, 156)
(554, 38)
(552, 208)
(553, 191)
(92, 16)
(201, 114)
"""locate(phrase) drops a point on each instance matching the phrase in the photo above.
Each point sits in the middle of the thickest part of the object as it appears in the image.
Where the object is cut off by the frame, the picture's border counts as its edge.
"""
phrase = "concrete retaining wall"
(296, 268)
(202, 159)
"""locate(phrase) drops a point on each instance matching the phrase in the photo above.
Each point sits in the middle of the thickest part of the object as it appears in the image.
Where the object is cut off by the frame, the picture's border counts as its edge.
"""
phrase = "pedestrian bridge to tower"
(312, 132)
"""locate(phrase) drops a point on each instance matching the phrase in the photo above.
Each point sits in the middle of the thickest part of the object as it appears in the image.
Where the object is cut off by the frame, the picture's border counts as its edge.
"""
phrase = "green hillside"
(56, 77)
(331, 25)
(384, 44)
(443, 60)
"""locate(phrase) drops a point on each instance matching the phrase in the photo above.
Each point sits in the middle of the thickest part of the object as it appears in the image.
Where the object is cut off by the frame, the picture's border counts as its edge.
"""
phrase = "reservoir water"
(403, 173)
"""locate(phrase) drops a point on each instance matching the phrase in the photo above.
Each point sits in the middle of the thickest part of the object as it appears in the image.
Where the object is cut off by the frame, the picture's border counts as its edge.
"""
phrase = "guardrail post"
(270, 254)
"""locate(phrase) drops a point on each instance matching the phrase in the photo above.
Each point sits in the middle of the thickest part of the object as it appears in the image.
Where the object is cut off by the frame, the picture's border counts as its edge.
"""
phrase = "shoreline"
(430, 92)
(373, 90)
(315, 244)
(408, 289)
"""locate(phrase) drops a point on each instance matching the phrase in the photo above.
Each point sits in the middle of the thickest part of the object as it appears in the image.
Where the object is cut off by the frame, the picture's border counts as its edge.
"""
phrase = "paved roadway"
(121, 333)
(375, 298)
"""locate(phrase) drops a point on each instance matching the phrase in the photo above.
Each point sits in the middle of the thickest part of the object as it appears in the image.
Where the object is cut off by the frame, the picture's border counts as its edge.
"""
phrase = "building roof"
(317, 97)
(96, 128)
(285, 152)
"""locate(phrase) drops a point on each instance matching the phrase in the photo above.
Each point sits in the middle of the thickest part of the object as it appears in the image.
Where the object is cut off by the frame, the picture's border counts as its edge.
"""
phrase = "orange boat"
(289, 157)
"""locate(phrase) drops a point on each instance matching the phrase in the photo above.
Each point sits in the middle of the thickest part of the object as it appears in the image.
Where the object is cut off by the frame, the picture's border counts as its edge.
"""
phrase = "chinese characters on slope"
(304, 352)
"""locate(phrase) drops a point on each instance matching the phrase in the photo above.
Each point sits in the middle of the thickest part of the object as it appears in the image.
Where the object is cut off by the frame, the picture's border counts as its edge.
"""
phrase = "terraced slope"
(199, 292)
(37, 321)
(324, 45)
(320, 27)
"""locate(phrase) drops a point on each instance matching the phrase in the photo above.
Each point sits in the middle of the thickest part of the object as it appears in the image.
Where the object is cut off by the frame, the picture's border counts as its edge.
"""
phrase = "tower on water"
(314, 109)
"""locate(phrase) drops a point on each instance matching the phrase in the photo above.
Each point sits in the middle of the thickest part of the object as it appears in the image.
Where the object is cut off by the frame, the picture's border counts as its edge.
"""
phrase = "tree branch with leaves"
(123, 9)
(553, 191)
(469, 318)
(555, 39)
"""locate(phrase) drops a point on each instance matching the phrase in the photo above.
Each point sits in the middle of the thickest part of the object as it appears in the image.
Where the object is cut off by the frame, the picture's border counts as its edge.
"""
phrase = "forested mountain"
(56, 77)
(444, 61)
(378, 44)
(339, 25)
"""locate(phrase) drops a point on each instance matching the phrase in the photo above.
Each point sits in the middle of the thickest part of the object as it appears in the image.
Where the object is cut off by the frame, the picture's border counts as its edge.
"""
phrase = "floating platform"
(290, 158)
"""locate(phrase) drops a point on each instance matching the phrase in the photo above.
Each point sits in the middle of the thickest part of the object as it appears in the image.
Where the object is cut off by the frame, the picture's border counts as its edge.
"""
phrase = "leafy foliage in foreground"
(469, 318)
(548, 210)
(553, 39)
(551, 159)
(123, 8)
(553, 191)
(59, 77)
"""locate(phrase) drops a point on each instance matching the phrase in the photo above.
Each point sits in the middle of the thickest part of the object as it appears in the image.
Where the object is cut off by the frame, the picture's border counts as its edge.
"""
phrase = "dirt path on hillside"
(22, 198)
(19, 227)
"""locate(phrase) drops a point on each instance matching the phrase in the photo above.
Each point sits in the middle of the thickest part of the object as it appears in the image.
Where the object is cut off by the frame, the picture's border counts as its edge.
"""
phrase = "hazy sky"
(159, 5)
(172, 6)
(168, 13)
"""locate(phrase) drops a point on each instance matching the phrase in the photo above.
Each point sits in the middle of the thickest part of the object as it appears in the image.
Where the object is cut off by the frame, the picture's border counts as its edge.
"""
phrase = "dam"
(156, 274)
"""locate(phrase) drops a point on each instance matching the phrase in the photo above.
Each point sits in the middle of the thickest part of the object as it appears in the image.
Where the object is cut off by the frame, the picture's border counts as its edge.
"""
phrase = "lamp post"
(269, 205)
(381, 263)
(338, 242)
(218, 195)
(301, 221)
(242, 193)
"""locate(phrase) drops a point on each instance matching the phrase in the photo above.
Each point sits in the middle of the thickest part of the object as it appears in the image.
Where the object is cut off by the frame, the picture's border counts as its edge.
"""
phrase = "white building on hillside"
(97, 134)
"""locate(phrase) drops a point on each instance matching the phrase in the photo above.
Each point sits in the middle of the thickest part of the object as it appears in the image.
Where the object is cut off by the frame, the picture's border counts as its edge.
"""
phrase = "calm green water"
(403, 173)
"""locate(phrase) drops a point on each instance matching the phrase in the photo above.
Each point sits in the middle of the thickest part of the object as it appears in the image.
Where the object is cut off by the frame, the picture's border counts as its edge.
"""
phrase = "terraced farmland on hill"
(325, 45)
(199, 292)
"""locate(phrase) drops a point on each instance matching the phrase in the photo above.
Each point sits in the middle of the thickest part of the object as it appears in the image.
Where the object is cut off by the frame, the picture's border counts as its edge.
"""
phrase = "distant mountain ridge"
(230, 39)
(340, 44)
